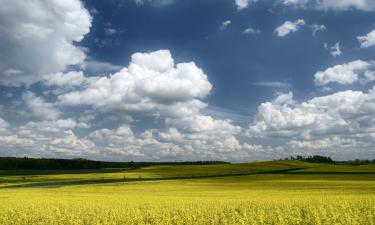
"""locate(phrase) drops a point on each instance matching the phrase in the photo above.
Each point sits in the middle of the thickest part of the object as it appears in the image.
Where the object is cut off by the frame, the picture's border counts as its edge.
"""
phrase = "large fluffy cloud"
(150, 84)
(37, 38)
(346, 113)
(289, 27)
(346, 73)
(341, 124)
(337, 5)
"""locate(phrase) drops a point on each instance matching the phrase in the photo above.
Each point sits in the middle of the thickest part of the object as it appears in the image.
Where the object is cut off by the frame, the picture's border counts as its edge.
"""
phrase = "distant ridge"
(13, 163)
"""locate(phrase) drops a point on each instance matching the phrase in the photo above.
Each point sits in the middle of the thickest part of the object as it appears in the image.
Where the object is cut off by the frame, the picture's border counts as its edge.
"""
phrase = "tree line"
(12, 163)
(329, 160)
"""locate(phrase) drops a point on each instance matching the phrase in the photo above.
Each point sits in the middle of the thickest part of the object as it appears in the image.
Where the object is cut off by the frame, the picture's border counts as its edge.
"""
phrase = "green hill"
(171, 172)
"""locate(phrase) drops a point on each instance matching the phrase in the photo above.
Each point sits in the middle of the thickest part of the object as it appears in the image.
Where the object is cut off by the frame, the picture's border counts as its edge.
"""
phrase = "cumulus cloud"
(346, 73)
(57, 139)
(347, 113)
(151, 84)
(336, 5)
(40, 108)
(339, 124)
(3, 124)
(73, 78)
(243, 4)
(202, 123)
(324, 143)
(367, 40)
(53, 138)
(37, 38)
(289, 27)
(173, 143)
(207, 139)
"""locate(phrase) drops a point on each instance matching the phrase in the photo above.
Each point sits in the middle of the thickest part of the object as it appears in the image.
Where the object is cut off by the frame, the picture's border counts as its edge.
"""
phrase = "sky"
(180, 80)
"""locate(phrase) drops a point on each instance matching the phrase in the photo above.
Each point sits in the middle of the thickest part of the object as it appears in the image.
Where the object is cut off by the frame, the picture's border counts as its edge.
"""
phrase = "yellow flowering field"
(256, 199)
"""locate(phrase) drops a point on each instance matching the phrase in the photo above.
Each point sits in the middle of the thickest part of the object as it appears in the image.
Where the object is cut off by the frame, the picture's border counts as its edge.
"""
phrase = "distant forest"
(329, 160)
(12, 163)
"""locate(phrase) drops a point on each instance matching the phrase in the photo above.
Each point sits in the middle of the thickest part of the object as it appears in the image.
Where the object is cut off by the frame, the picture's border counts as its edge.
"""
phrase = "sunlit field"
(256, 193)
(62, 177)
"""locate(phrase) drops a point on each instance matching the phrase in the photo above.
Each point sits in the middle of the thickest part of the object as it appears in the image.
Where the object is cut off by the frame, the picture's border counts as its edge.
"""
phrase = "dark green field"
(291, 169)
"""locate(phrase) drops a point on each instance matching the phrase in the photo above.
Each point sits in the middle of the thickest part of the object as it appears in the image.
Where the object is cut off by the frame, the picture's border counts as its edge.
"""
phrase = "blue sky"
(164, 80)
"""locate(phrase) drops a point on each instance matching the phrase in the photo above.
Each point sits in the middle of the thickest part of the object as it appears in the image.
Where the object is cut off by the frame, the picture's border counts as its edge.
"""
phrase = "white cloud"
(315, 28)
(225, 25)
(40, 108)
(289, 27)
(347, 73)
(335, 50)
(37, 38)
(172, 134)
(151, 84)
(243, 4)
(72, 78)
(119, 142)
(213, 140)
(46, 139)
(251, 31)
(336, 5)
(369, 76)
(338, 124)
(201, 123)
(324, 143)
(210, 141)
(347, 113)
(367, 40)
(273, 84)
(160, 61)
(3, 124)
